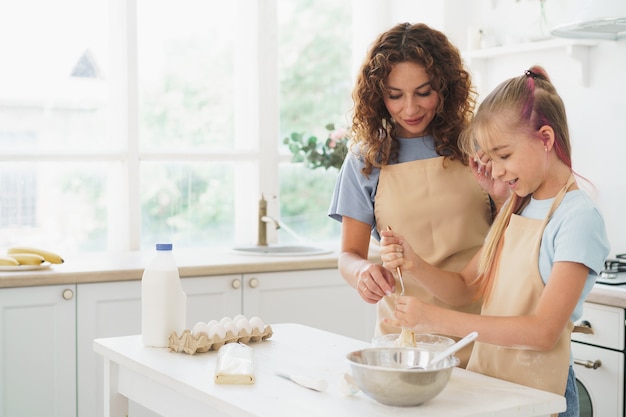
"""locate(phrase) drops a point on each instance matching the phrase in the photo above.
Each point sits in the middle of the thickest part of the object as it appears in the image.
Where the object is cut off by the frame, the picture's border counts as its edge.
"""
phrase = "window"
(128, 122)
(54, 117)
(315, 87)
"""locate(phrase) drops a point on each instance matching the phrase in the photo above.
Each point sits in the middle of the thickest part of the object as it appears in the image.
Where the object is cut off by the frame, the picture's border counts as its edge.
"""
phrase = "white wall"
(596, 111)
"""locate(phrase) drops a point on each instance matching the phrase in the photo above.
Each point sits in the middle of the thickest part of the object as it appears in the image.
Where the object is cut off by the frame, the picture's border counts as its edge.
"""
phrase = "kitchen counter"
(610, 295)
(174, 384)
(129, 266)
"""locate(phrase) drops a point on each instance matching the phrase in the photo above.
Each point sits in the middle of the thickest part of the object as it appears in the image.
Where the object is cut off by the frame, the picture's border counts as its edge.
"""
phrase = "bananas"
(29, 254)
(28, 258)
(6, 260)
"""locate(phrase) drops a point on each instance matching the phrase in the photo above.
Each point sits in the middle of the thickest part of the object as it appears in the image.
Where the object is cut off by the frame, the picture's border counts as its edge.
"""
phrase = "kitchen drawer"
(604, 384)
(607, 323)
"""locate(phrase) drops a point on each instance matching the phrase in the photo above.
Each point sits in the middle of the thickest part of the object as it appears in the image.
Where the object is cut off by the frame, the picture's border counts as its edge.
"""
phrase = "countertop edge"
(191, 263)
(205, 262)
(610, 295)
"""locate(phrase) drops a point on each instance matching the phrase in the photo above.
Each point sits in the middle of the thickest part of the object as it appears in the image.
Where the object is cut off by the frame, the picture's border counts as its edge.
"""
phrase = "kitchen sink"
(282, 250)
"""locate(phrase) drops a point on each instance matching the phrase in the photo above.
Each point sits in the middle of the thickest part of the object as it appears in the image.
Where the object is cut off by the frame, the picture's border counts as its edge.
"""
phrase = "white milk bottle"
(163, 301)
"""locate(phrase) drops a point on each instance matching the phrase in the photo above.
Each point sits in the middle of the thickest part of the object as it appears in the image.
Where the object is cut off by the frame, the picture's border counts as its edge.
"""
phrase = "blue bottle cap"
(163, 246)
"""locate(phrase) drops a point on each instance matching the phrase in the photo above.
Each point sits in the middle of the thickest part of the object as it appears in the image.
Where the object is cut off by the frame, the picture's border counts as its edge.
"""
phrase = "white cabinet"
(114, 309)
(104, 310)
(316, 298)
(47, 360)
(599, 360)
(607, 323)
(212, 297)
(38, 351)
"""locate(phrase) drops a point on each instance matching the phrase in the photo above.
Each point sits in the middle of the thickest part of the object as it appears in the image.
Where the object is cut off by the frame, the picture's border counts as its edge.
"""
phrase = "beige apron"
(516, 291)
(421, 200)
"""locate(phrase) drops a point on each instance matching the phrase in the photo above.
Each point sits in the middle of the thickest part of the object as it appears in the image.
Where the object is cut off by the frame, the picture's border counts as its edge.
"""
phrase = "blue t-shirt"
(575, 233)
(354, 192)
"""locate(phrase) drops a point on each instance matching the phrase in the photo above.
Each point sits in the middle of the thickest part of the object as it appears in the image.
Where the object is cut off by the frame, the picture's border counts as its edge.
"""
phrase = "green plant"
(319, 154)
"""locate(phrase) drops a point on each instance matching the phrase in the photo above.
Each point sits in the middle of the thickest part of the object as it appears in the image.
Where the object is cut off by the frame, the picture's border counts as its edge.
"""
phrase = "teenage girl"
(540, 258)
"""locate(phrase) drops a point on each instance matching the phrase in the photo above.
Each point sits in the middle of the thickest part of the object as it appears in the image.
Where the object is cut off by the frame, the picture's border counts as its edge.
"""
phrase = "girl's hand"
(481, 168)
(374, 282)
(411, 313)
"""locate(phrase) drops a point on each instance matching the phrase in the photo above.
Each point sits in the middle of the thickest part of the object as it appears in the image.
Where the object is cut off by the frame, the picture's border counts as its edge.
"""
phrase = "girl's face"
(410, 99)
(521, 160)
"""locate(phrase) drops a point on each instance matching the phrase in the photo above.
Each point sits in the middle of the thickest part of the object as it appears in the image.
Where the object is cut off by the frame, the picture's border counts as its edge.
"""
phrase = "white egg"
(257, 323)
(238, 317)
(225, 320)
(212, 323)
(217, 330)
(200, 327)
(243, 324)
(230, 327)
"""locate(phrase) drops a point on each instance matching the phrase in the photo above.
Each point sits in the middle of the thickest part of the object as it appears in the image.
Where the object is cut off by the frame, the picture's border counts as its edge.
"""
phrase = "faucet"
(264, 219)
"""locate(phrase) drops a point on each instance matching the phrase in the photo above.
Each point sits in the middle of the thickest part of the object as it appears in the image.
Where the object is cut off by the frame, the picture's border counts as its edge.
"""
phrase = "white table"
(178, 384)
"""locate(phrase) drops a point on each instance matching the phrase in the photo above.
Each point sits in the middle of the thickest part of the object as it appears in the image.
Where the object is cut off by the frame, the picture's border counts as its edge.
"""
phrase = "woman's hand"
(396, 252)
(372, 281)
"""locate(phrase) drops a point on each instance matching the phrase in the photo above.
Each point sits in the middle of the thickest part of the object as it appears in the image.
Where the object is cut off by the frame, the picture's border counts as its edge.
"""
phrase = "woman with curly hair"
(405, 171)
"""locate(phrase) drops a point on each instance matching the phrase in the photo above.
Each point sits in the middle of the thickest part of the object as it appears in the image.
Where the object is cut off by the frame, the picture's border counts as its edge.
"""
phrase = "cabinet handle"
(588, 364)
(68, 294)
(236, 284)
(584, 327)
(253, 283)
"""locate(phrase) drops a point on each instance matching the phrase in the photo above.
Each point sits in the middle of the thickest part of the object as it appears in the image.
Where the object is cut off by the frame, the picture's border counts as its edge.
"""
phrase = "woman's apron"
(438, 206)
(516, 291)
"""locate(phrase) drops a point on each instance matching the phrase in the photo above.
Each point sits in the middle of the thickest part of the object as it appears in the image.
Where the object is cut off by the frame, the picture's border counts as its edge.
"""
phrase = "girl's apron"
(516, 291)
(438, 206)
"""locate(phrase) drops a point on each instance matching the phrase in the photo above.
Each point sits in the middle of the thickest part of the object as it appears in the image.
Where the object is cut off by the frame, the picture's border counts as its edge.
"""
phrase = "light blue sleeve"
(582, 238)
(354, 193)
(576, 233)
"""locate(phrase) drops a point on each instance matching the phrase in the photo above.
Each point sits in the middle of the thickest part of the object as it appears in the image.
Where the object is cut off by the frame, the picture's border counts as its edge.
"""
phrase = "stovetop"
(614, 272)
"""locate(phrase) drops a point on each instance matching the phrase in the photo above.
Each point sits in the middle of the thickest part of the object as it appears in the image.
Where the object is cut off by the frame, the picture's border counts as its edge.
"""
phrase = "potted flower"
(317, 153)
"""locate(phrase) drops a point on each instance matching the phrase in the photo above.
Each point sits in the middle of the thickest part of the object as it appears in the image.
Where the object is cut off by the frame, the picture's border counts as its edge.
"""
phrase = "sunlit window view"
(54, 117)
(111, 141)
(186, 74)
(315, 87)
(185, 106)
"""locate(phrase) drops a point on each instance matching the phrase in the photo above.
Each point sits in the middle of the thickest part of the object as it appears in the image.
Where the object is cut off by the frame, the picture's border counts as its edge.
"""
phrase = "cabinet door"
(38, 351)
(114, 309)
(105, 309)
(317, 298)
(211, 298)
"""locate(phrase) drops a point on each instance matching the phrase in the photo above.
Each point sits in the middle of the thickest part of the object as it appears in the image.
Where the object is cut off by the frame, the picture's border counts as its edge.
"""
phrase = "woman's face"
(410, 99)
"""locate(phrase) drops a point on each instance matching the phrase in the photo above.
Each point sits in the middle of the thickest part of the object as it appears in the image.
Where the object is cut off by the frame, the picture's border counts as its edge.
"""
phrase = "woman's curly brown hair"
(372, 124)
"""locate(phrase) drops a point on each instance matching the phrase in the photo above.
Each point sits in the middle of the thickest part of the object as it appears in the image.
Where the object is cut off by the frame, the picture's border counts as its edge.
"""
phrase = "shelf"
(579, 49)
(526, 47)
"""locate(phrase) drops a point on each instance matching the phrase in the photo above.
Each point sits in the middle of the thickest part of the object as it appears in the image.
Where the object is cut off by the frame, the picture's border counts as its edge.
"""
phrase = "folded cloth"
(235, 364)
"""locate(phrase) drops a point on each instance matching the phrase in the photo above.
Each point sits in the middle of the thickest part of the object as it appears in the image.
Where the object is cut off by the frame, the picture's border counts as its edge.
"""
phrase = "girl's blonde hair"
(521, 104)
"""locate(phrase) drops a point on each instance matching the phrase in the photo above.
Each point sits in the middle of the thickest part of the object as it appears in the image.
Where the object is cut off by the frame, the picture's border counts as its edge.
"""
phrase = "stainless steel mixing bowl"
(383, 374)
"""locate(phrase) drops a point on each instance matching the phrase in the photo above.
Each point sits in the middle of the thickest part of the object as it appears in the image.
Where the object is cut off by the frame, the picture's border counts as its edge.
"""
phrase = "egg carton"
(189, 343)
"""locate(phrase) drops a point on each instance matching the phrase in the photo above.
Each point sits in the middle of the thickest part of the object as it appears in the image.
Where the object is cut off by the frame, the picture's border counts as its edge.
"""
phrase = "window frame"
(256, 153)
(256, 97)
